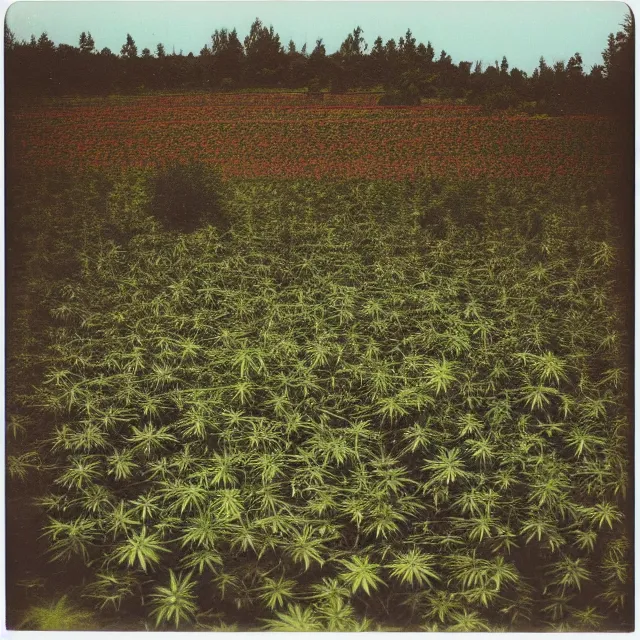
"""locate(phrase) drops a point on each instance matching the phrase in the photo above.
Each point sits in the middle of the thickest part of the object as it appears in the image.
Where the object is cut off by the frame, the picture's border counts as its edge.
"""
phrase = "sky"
(472, 31)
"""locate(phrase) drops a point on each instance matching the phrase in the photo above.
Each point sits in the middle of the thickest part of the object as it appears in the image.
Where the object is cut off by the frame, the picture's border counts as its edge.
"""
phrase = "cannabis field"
(292, 365)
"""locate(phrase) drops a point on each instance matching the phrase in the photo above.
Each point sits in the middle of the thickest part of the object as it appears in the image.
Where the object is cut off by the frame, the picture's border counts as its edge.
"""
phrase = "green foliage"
(110, 589)
(59, 615)
(19, 466)
(175, 603)
(296, 618)
(502, 99)
(344, 419)
(407, 96)
(274, 593)
(361, 574)
(141, 548)
(127, 206)
(41, 70)
(414, 566)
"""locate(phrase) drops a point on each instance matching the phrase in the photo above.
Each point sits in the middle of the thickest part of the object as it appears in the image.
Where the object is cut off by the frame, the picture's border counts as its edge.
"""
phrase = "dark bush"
(406, 96)
(499, 100)
(314, 90)
(188, 196)
(338, 83)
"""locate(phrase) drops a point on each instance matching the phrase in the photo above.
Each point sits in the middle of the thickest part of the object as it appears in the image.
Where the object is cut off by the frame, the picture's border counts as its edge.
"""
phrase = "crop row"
(314, 142)
(253, 99)
(239, 112)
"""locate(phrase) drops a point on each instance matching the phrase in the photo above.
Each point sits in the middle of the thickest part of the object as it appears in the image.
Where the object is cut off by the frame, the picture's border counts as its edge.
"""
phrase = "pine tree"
(86, 43)
(319, 50)
(45, 44)
(9, 38)
(129, 49)
(430, 53)
(264, 55)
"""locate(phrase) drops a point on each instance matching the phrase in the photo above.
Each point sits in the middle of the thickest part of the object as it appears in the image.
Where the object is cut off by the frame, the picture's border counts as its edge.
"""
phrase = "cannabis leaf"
(361, 574)
(413, 566)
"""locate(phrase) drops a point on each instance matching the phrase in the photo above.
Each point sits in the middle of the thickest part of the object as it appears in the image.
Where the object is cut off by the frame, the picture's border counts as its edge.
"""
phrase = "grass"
(59, 615)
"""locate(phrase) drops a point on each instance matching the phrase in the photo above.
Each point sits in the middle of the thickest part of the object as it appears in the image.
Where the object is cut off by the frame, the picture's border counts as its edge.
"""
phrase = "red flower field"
(285, 136)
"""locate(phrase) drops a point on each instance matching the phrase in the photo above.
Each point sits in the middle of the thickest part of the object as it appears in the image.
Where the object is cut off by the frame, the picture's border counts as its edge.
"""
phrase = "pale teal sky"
(523, 31)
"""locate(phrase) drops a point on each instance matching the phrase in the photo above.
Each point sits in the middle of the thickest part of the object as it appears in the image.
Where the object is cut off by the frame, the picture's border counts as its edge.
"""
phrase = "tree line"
(405, 70)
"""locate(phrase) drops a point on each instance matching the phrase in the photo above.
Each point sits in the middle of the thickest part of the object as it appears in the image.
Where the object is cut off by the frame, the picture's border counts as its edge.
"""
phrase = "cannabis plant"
(336, 417)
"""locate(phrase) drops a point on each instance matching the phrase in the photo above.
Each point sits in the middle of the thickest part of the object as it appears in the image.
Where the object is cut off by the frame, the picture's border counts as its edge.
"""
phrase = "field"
(288, 364)
(287, 136)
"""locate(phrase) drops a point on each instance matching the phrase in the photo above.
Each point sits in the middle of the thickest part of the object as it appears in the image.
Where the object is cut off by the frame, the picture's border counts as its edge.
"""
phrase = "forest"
(405, 71)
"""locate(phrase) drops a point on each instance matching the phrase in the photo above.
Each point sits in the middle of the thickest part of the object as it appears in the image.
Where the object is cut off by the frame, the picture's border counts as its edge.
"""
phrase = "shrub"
(502, 99)
(185, 197)
(314, 90)
(338, 83)
(406, 96)
(58, 616)
(528, 107)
